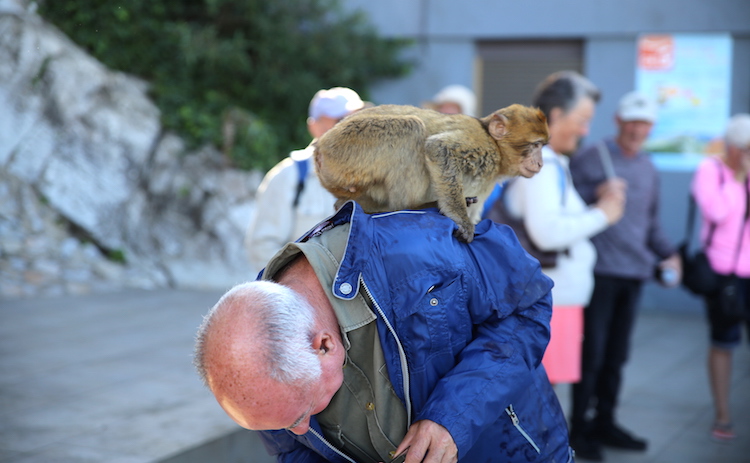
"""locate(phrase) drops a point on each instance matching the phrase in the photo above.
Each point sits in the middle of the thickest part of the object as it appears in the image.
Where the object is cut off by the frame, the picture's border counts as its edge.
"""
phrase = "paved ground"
(108, 378)
(104, 378)
(666, 396)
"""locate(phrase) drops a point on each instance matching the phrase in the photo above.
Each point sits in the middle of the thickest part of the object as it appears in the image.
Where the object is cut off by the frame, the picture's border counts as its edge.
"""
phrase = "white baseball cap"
(637, 106)
(335, 103)
(458, 94)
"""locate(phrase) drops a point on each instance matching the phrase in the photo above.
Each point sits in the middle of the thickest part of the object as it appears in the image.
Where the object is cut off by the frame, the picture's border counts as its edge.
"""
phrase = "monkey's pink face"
(532, 162)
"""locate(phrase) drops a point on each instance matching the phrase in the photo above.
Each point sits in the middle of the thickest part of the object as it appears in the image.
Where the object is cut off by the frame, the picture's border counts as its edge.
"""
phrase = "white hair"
(738, 131)
(284, 330)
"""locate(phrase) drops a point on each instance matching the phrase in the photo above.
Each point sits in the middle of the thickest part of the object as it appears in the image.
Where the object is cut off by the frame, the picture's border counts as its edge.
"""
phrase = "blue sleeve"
(510, 304)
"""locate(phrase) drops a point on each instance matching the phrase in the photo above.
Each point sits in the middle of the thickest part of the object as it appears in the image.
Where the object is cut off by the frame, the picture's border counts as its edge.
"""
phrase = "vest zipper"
(401, 353)
(330, 446)
(517, 424)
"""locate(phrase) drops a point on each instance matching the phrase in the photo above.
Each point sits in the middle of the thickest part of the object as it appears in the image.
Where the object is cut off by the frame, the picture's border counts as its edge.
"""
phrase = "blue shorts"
(727, 335)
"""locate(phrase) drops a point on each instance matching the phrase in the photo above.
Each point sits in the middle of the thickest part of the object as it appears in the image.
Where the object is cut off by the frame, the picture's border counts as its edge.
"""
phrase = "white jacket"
(276, 221)
(557, 224)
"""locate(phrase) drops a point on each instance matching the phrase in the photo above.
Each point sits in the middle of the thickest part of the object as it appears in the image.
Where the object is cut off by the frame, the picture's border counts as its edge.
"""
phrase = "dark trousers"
(607, 326)
(727, 334)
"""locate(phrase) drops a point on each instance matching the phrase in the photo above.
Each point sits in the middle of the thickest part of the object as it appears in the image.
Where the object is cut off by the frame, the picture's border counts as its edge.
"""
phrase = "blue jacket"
(463, 328)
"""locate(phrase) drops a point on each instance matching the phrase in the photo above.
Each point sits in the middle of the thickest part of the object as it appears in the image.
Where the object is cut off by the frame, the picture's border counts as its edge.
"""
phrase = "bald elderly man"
(380, 334)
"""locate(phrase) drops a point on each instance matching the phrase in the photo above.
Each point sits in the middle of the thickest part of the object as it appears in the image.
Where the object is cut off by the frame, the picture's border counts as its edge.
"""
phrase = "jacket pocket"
(517, 424)
(430, 333)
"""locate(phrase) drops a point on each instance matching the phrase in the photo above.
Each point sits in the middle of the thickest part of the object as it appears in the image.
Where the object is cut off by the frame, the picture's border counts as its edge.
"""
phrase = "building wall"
(446, 33)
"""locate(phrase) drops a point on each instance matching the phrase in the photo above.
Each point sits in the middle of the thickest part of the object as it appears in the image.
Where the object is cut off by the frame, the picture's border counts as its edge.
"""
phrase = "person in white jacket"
(290, 199)
(557, 219)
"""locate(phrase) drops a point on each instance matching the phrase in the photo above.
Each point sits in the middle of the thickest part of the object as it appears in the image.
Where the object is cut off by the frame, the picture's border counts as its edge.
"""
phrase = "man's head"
(636, 115)
(455, 99)
(330, 106)
(264, 354)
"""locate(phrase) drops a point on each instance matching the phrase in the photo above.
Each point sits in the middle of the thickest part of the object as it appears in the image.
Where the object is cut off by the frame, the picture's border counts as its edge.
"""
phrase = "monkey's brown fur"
(394, 157)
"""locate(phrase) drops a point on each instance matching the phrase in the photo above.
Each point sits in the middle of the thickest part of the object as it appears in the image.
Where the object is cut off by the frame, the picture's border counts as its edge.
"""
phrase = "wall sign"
(690, 76)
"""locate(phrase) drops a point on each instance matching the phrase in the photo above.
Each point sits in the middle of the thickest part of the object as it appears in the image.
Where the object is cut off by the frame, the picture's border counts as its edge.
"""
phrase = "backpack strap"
(497, 191)
(302, 168)
(691, 216)
(745, 220)
(563, 180)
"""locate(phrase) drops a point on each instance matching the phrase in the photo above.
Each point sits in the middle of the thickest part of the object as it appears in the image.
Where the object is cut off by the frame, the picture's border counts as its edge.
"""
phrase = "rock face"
(94, 194)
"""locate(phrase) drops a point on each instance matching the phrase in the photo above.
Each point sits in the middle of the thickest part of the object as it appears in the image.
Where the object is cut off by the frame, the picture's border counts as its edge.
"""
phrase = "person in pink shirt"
(722, 191)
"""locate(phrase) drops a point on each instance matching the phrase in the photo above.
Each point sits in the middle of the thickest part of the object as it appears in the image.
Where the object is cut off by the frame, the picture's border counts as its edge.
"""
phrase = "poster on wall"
(690, 77)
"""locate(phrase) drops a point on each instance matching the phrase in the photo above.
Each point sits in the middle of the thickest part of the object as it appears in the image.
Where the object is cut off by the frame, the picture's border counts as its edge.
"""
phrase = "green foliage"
(117, 255)
(204, 58)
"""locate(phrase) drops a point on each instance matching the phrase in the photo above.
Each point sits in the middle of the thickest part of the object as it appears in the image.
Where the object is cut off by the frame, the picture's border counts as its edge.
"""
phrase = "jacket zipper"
(328, 444)
(517, 424)
(402, 355)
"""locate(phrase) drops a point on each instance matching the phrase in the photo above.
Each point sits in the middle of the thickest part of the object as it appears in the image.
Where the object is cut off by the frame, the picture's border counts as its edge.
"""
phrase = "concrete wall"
(446, 33)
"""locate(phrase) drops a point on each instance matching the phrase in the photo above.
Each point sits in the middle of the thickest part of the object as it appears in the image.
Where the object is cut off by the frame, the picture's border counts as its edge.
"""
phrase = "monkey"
(393, 157)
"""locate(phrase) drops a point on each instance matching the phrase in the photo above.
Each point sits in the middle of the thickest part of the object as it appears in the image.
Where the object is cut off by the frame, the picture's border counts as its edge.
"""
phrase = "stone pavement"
(104, 378)
(108, 378)
(666, 397)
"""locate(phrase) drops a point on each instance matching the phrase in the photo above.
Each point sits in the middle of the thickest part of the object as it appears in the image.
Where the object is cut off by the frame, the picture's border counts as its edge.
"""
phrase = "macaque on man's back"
(394, 157)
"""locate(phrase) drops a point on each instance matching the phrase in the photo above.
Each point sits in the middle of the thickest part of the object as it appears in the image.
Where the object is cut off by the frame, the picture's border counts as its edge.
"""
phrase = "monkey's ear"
(498, 126)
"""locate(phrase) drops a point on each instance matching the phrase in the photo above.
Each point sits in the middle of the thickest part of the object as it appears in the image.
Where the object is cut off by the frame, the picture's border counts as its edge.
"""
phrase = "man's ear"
(324, 343)
(554, 115)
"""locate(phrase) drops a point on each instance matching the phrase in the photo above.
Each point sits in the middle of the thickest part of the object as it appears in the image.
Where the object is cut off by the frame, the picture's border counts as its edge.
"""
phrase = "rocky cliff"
(94, 194)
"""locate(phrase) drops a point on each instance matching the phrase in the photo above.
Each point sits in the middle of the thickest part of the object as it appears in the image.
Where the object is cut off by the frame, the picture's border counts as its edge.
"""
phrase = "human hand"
(614, 185)
(672, 263)
(612, 204)
(428, 442)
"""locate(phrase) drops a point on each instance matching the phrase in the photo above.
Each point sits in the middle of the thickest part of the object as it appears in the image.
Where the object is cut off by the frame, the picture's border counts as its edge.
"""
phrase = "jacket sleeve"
(273, 220)
(549, 225)
(510, 305)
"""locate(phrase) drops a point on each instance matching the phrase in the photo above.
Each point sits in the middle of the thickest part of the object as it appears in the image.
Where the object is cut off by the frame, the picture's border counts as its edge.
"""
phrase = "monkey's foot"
(471, 200)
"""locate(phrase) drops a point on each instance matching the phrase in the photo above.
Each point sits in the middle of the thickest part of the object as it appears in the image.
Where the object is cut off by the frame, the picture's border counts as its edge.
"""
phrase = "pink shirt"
(723, 202)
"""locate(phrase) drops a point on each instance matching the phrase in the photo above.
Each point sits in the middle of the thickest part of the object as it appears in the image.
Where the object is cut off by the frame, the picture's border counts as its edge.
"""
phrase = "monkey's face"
(521, 132)
(531, 159)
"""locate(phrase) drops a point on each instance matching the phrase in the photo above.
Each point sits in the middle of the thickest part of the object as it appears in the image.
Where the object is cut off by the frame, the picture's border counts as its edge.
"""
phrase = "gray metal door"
(511, 70)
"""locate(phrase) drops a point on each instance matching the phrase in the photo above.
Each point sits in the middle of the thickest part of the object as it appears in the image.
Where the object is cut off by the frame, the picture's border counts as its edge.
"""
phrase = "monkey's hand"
(465, 232)
(471, 200)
